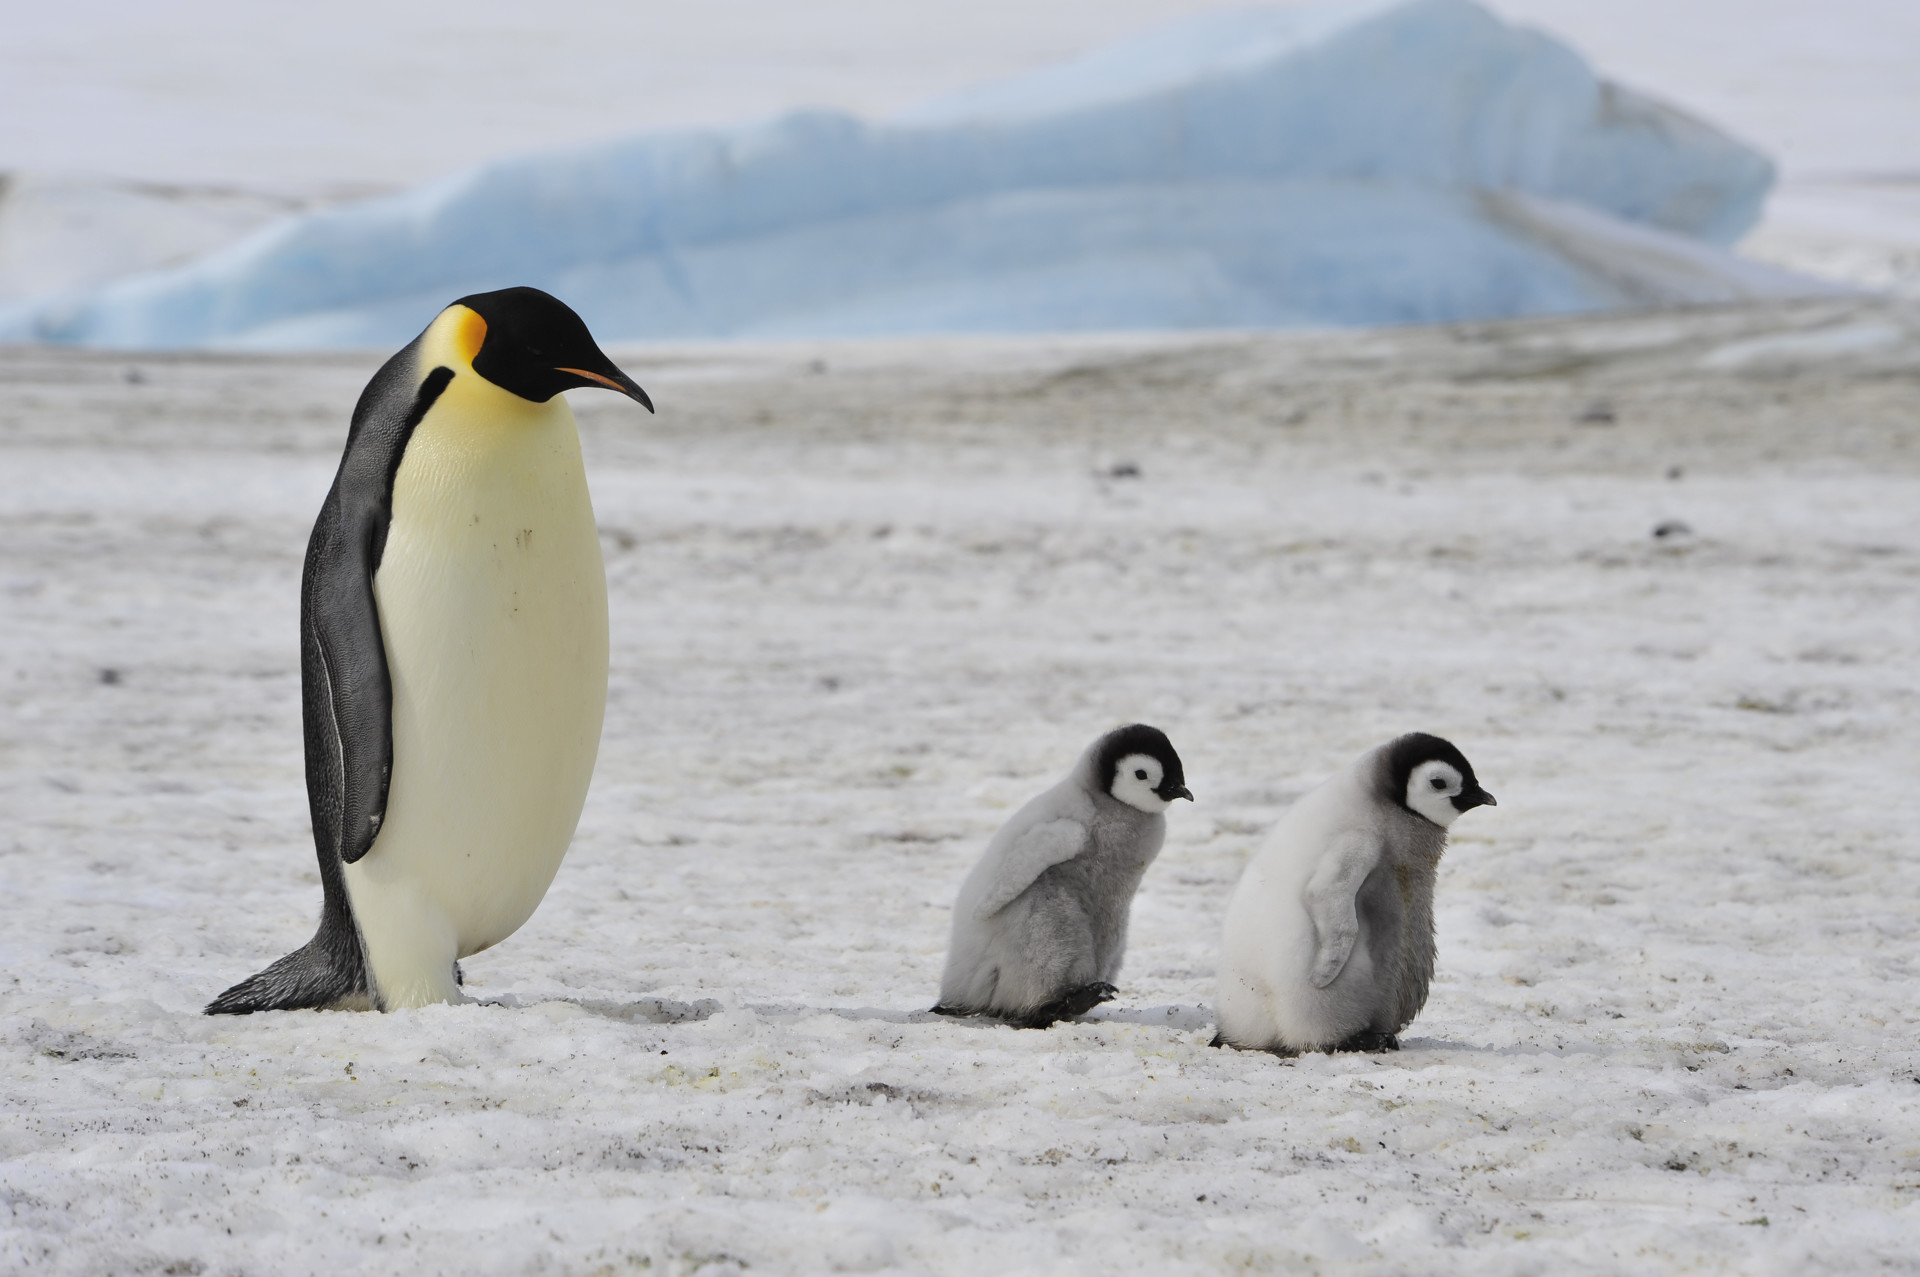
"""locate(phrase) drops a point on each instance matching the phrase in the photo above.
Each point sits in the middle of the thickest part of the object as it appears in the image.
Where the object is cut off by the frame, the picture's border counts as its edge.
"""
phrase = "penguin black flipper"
(346, 690)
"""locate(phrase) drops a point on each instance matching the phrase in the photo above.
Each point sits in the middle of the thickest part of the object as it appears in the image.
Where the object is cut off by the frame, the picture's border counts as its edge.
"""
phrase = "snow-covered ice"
(210, 99)
(60, 233)
(1348, 164)
(868, 597)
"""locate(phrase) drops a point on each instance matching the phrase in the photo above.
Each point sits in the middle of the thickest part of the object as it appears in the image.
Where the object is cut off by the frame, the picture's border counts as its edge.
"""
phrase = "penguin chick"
(1040, 925)
(1329, 934)
(453, 656)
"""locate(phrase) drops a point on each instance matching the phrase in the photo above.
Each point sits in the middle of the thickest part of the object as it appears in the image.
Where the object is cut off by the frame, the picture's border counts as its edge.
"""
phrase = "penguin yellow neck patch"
(469, 330)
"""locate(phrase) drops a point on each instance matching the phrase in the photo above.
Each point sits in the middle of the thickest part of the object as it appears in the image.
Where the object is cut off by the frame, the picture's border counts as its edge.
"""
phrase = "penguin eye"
(1437, 783)
(1139, 773)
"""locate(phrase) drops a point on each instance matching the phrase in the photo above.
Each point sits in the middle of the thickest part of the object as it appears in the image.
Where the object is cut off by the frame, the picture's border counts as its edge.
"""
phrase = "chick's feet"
(1369, 1041)
(1074, 1002)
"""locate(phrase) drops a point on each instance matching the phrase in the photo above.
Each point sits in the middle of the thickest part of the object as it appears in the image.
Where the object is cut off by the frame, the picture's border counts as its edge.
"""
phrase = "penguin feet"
(1279, 1052)
(1368, 1040)
(1072, 1003)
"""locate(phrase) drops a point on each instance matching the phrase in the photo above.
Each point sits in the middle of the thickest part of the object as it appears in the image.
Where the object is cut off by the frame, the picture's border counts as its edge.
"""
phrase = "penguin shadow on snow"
(875, 1015)
(1182, 1019)
(1409, 1050)
(669, 1011)
(647, 1010)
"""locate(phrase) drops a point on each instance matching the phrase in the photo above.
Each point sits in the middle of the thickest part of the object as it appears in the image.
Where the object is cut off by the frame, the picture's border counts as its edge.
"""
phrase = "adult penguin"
(453, 656)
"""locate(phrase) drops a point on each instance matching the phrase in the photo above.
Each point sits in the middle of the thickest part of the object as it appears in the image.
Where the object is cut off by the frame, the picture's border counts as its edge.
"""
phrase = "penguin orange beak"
(617, 381)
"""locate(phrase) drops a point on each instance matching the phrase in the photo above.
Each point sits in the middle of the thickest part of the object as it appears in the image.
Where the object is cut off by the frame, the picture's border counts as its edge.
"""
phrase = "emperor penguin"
(1329, 934)
(453, 656)
(1040, 925)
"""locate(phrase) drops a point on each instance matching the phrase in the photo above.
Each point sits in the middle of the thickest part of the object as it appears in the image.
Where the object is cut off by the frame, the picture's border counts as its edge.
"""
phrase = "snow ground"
(869, 597)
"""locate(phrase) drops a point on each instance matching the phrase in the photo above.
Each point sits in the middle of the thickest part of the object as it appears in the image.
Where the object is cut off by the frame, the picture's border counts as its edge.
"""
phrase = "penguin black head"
(1137, 765)
(1428, 775)
(534, 346)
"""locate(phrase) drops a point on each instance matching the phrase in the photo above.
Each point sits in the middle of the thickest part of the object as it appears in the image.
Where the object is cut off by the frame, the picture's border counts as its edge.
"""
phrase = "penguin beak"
(1475, 797)
(1178, 791)
(613, 379)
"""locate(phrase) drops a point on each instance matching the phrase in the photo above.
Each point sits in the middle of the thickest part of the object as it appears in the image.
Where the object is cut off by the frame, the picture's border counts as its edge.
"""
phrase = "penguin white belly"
(493, 609)
(1266, 989)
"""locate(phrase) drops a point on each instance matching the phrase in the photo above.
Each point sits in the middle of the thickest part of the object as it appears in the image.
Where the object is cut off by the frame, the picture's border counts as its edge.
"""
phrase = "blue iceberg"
(1396, 161)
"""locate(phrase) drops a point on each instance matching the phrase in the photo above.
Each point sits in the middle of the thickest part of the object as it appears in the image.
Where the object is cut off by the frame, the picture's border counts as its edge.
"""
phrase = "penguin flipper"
(348, 687)
(1330, 901)
(349, 697)
(1029, 855)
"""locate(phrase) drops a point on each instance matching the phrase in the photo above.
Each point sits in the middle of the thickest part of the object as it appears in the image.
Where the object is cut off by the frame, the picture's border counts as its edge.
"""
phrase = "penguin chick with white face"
(453, 656)
(1040, 925)
(1329, 934)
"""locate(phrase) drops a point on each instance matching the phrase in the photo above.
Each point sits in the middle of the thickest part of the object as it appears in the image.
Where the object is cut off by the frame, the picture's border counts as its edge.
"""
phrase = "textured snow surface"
(869, 598)
(1312, 166)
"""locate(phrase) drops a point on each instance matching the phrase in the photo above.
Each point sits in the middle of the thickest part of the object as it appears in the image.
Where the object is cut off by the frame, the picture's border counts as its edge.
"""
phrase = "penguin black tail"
(321, 973)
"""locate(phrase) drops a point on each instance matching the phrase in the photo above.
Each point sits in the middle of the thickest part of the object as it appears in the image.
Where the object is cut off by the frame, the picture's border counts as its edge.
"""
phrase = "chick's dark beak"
(613, 379)
(1171, 792)
(1475, 797)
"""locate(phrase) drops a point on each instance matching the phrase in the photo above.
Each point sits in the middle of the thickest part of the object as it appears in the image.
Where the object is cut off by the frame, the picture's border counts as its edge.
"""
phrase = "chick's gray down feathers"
(1040, 925)
(1329, 935)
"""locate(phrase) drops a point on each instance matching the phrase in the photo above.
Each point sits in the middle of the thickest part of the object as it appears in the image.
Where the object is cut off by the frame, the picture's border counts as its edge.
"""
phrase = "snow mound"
(1396, 161)
(68, 231)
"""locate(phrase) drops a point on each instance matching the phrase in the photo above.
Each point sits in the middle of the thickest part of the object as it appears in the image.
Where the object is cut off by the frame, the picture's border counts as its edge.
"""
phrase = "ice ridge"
(1391, 161)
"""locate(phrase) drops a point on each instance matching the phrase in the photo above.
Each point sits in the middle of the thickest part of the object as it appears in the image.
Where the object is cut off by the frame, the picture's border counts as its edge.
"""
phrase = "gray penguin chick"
(1040, 925)
(1329, 934)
